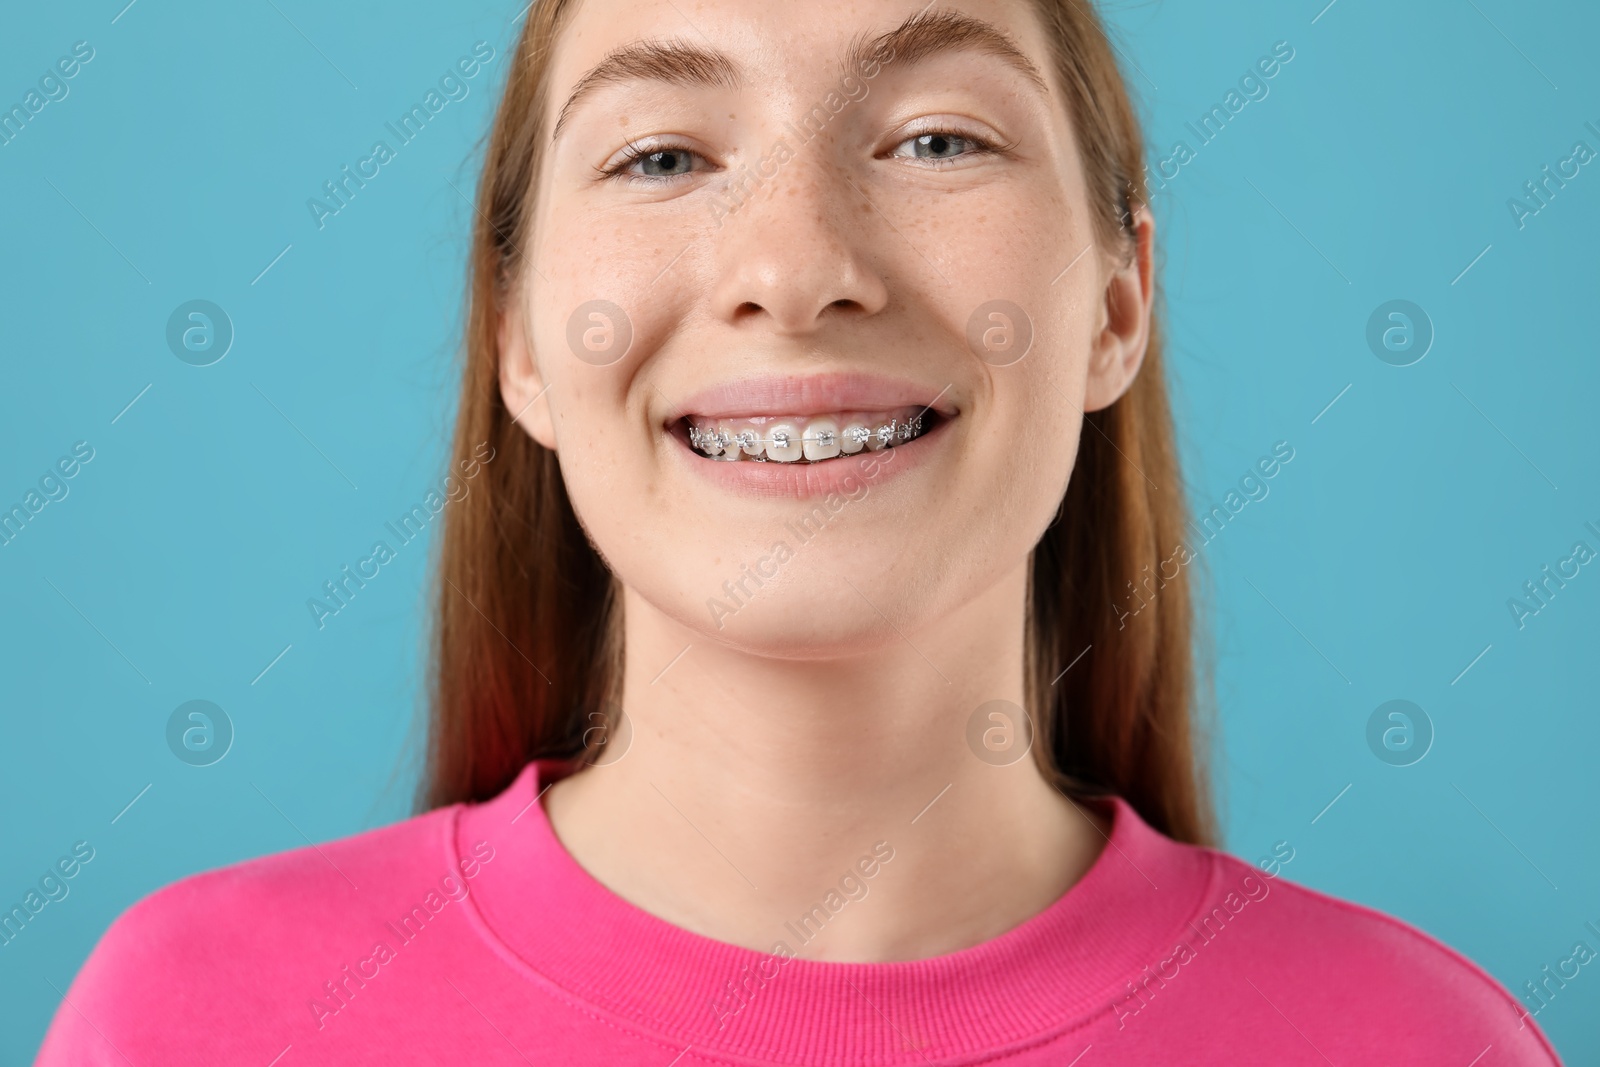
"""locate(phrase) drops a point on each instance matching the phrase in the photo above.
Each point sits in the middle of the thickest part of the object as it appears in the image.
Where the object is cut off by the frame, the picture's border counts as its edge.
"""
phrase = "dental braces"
(716, 441)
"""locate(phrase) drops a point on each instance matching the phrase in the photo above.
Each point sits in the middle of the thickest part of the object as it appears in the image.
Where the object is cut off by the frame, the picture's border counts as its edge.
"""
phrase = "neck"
(756, 792)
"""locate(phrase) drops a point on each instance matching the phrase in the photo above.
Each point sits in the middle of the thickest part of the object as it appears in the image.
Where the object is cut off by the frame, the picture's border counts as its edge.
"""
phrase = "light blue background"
(1378, 568)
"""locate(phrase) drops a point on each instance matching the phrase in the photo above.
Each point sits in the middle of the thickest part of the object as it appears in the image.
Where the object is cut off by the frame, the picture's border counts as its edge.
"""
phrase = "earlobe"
(522, 385)
(1119, 349)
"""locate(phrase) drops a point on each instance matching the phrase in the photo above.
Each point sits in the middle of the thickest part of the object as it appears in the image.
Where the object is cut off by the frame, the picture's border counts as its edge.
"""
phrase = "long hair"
(524, 647)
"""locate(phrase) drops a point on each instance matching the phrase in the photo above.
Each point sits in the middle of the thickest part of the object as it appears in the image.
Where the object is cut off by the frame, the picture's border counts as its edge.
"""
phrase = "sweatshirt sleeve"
(120, 981)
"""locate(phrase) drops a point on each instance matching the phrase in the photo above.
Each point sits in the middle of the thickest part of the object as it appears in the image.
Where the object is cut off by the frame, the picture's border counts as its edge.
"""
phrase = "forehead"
(739, 44)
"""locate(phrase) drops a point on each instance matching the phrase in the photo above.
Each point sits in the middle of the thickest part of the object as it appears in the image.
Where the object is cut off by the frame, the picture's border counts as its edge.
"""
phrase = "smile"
(809, 439)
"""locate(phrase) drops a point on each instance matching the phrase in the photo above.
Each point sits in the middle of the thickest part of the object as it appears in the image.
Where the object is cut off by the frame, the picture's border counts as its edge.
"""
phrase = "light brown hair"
(525, 651)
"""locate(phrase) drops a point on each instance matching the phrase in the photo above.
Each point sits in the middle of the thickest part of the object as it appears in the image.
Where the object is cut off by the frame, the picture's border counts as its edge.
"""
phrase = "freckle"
(624, 121)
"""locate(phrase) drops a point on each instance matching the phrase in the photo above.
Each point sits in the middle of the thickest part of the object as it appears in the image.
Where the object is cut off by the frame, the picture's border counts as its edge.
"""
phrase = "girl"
(787, 707)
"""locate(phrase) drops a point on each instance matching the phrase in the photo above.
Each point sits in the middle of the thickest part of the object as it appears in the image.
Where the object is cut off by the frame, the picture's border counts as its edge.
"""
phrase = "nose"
(797, 248)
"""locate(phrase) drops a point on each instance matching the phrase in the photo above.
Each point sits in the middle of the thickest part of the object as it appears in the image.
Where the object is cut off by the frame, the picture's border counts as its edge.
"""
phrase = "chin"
(808, 628)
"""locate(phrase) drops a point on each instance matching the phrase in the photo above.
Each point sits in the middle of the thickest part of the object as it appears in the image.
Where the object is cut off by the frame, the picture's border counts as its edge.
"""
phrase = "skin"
(769, 753)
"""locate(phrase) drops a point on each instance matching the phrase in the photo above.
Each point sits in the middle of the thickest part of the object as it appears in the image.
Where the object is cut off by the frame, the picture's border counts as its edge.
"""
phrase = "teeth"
(722, 439)
(815, 440)
(783, 442)
(821, 439)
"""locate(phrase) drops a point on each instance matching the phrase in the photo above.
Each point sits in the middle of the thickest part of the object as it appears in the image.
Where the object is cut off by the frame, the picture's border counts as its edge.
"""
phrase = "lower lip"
(804, 481)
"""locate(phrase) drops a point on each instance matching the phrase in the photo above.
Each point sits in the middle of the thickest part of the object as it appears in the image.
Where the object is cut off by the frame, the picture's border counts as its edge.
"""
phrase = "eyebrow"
(670, 62)
(923, 36)
(920, 37)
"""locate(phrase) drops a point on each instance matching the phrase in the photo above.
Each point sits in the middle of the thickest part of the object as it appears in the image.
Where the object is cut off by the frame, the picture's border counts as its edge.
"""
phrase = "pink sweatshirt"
(469, 935)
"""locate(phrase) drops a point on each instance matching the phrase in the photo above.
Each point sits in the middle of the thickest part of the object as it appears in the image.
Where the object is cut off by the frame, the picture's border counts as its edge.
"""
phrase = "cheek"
(1020, 278)
(1046, 281)
(1018, 469)
(1026, 430)
(617, 264)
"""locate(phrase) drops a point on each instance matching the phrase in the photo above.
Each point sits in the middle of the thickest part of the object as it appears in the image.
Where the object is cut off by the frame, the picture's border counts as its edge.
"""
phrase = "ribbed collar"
(550, 919)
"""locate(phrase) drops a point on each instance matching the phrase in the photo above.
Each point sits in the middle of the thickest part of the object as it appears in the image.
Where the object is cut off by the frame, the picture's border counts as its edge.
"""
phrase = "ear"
(522, 385)
(1119, 348)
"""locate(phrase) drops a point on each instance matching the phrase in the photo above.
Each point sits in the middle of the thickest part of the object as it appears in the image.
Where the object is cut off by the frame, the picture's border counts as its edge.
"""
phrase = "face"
(813, 308)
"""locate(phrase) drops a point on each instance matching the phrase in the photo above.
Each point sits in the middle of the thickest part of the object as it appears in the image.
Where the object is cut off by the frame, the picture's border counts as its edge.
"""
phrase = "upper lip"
(814, 394)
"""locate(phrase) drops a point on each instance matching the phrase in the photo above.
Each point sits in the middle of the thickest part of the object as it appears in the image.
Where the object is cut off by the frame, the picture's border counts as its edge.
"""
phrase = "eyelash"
(637, 152)
(977, 146)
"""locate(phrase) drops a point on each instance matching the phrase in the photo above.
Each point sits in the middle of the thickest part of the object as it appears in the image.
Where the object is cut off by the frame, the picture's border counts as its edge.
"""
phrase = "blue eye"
(939, 145)
(666, 163)
(658, 163)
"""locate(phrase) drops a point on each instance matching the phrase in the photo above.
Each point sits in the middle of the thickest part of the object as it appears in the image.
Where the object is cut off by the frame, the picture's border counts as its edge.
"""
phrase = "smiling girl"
(839, 315)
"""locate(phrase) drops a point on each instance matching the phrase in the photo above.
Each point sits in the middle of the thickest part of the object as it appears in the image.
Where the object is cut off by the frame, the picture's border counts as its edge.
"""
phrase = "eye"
(937, 146)
(656, 163)
(663, 162)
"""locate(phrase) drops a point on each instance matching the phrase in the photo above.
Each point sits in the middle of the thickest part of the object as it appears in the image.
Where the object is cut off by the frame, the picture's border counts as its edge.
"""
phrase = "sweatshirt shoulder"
(1368, 965)
(226, 935)
(306, 886)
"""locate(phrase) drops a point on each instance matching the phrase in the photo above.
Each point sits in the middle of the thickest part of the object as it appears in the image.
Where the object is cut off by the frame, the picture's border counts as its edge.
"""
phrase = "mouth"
(805, 439)
(808, 420)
